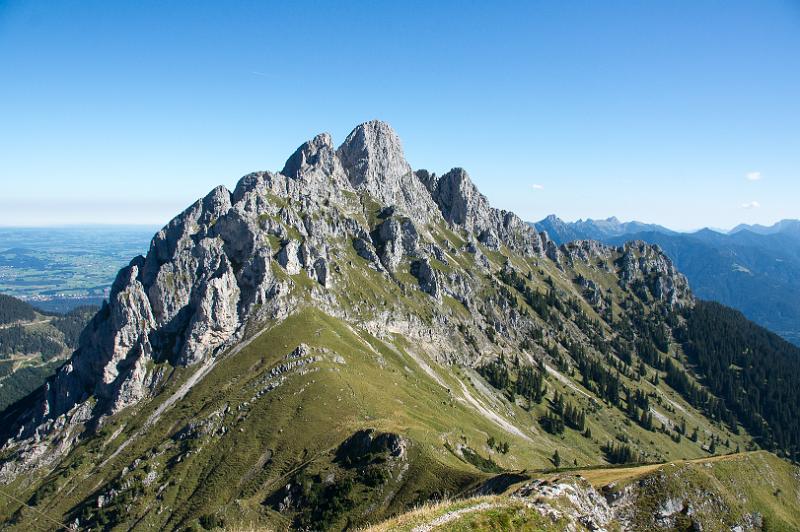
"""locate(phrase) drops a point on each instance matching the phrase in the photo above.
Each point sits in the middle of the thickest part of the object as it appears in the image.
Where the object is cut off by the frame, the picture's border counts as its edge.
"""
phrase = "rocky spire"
(372, 155)
(459, 200)
(315, 155)
(372, 158)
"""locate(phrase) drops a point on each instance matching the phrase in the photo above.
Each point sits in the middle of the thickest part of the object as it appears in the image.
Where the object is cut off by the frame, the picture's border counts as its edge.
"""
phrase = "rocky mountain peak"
(372, 154)
(373, 160)
(316, 153)
(458, 198)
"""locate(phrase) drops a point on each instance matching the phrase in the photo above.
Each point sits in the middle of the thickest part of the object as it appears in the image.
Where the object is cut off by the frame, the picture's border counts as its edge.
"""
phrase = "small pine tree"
(556, 459)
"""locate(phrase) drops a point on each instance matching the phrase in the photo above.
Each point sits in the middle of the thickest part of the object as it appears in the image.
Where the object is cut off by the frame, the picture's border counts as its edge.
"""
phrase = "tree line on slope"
(21, 339)
(13, 310)
(755, 372)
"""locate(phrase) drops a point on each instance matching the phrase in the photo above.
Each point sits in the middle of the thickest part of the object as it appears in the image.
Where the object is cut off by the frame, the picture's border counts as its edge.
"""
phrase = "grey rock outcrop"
(372, 157)
(395, 239)
(365, 250)
(460, 203)
(290, 257)
(428, 278)
(648, 266)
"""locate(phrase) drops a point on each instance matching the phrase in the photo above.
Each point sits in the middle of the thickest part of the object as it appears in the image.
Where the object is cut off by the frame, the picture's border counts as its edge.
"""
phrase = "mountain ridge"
(782, 226)
(751, 271)
(356, 338)
(599, 229)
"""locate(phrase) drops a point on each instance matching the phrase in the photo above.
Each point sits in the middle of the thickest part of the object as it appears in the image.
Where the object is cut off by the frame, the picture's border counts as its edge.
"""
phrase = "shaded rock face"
(372, 157)
(212, 270)
(366, 251)
(459, 200)
(428, 278)
(178, 303)
(366, 443)
(396, 238)
(313, 157)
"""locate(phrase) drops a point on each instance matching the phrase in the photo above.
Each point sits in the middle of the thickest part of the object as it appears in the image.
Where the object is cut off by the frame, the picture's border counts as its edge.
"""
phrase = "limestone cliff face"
(214, 268)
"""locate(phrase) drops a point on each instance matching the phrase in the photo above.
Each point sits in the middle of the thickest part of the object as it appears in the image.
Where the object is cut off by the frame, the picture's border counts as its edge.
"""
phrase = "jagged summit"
(373, 152)
(317, 153)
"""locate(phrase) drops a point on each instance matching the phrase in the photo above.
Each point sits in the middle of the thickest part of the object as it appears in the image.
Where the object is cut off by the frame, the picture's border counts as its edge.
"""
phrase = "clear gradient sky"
(684, 113)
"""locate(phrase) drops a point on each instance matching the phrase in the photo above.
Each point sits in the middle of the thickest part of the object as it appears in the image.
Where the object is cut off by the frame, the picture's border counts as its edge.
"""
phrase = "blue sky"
(125, 112)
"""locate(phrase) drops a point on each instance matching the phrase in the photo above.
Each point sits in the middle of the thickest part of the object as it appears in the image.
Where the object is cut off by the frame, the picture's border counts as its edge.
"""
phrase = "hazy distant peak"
(601, 229)
(783, 226)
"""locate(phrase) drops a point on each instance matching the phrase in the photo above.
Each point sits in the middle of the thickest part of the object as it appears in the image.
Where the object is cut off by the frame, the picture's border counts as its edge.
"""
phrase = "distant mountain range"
(753, 268)
(784, 227)
(562, 232)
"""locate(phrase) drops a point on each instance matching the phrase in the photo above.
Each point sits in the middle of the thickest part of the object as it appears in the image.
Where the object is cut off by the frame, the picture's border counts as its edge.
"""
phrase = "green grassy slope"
(720, 492)
(225, 454)
(717, 493)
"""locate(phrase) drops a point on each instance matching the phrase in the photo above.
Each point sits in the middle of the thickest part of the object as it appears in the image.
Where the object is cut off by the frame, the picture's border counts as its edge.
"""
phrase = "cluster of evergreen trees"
(13, 310)
(30, 340)
(755, 372)
(499, 446)
(541, 303)
(25, 380)
(496, 374)
(698, 396)
(638, 408)
(552, 422)
(73, 322)
(562, 414)
(529, 382)
(18, 339)
(744, 374)
(620, 453)
(597, 377)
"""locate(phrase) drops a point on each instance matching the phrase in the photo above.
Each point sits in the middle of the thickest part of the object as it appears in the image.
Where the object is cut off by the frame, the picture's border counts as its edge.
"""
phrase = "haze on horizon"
(682, 114)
